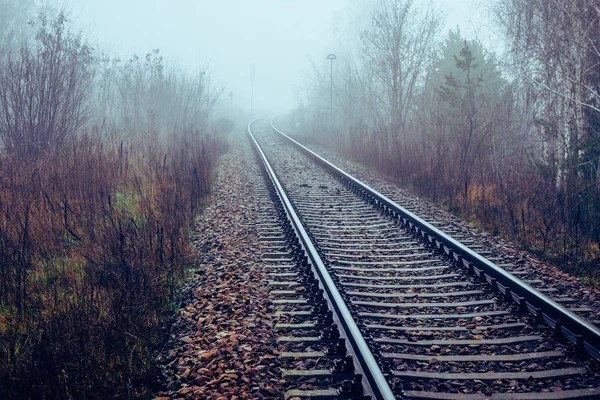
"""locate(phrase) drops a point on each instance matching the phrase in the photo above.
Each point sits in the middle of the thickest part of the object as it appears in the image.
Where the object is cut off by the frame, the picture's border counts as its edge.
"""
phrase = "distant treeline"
(511, 142)
(104, 164)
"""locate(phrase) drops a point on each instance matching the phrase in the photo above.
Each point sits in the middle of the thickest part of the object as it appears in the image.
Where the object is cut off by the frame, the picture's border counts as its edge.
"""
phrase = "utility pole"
(231, 104)
(331, 57)
(252, 78)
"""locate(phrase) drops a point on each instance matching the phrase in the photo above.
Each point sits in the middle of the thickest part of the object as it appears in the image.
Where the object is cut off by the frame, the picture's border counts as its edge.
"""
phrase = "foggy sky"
(278, 36)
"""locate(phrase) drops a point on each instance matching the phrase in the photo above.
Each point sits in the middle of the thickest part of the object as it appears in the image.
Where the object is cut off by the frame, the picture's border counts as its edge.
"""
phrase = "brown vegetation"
(95, 213)
(93, 241)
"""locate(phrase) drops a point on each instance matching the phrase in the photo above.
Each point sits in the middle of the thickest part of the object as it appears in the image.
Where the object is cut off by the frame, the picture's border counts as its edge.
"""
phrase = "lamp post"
(331, 57)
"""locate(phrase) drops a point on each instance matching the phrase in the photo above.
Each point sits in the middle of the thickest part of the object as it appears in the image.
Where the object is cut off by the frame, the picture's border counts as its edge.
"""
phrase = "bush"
(101, 176)
(43, 89)
(93, 241)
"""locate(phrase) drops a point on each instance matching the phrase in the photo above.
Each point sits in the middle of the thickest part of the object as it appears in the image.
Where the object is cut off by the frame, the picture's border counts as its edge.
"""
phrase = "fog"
(281, 38)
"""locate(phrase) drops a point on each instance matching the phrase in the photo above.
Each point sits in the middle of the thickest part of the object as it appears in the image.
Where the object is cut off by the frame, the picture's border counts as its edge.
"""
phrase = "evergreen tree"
(469, 106)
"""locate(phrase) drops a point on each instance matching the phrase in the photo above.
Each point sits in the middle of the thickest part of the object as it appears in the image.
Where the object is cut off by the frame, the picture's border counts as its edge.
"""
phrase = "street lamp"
(331, 57)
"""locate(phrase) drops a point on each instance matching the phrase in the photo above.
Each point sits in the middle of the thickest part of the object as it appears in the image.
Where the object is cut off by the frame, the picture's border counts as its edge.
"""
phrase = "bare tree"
(555, 49)
(43, 89)
(397, 47)
(143, 97)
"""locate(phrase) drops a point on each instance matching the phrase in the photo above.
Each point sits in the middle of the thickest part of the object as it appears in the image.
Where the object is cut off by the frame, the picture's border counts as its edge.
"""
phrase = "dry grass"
(93, 241)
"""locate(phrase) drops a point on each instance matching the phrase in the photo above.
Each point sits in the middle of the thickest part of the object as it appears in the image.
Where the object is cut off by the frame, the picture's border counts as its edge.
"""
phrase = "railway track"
(374, 301)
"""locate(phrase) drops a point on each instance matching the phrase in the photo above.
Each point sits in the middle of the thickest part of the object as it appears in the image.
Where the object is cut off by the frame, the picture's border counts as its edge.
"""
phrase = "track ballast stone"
(222, 344)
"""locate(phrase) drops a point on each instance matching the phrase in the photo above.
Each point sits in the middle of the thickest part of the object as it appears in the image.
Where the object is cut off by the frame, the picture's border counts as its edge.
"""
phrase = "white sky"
(278, 36)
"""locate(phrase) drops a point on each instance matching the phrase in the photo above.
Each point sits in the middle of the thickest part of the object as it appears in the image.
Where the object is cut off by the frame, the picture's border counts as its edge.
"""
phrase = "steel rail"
(572, 327)
(374, 382)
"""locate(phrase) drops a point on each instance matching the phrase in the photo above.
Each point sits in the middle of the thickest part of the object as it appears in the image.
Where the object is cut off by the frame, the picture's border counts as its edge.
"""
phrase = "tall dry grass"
(93, 240)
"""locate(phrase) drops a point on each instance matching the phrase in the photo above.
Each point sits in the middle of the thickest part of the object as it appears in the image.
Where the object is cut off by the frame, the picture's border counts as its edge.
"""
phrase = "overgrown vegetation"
(103, 166)
(510, 142)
